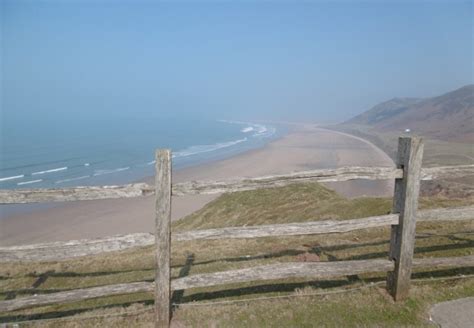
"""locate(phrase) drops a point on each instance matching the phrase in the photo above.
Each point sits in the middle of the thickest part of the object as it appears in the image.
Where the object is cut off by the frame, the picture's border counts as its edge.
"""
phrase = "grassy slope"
(303, 202)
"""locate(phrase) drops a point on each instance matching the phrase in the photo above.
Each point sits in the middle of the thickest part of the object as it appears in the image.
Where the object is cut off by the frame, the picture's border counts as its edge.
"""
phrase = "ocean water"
(58, 154)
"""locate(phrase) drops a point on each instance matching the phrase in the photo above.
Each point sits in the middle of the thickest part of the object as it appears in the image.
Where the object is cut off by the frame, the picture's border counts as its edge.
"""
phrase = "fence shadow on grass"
(177, 295)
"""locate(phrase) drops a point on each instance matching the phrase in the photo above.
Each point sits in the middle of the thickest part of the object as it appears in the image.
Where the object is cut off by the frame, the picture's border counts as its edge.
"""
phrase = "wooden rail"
(443, 172)
(23, 196)
(313, 270)
(326, 175)
(58, 251)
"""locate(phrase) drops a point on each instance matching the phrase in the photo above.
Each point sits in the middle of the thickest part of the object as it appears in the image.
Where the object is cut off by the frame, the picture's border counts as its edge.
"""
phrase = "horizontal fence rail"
(326, 175)
(284, 271)
(259, 273)
(323, 227)
(65, 250)
(196, 187)
(23, 196)
(443, 172)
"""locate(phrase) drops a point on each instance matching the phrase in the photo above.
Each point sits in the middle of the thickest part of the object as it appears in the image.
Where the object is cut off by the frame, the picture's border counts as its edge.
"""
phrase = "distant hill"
(447, 117)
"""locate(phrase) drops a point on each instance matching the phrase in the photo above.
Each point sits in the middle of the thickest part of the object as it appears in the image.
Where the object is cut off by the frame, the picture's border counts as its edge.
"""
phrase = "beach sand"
(305, 147)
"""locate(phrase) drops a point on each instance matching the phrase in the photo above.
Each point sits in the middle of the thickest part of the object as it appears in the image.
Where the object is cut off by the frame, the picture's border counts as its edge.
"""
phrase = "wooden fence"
(399, 264)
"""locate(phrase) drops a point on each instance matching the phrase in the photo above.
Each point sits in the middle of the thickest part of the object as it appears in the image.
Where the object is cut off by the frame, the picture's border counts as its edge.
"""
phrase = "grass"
(296, 203)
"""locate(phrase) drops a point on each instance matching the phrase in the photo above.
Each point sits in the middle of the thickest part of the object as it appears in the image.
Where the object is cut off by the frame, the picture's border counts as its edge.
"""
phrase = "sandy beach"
(305, 147)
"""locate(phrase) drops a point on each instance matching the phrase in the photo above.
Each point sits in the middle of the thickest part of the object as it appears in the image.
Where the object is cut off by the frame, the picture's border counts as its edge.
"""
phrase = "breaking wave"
(260, 130)
(28, 182)
(102, 172)
(12, 177)
(72, 179)
(199, 149)
(50, 171)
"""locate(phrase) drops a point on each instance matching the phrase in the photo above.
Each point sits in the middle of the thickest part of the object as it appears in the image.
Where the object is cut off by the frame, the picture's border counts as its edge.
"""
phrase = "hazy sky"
(314, 60)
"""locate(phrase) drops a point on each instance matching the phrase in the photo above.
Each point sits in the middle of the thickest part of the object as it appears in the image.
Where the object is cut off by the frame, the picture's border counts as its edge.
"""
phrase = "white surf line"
(199, 149)
(50, 171)
(12, 177)
(103, 172)
(28, 182)
(73, 179)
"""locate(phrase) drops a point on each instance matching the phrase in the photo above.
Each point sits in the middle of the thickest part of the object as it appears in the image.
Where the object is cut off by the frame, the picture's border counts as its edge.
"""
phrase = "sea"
(55, 154)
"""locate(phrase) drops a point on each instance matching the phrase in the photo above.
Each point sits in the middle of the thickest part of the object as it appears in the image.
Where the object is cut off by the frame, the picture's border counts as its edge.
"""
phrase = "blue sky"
(286, 60)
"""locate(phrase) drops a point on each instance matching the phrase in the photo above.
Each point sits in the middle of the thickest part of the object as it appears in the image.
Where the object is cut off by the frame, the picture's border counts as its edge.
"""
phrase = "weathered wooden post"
(405, 202)
(163, 238)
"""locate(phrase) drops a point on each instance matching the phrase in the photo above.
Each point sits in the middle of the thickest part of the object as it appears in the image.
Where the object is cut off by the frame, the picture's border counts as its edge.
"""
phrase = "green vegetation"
(369, 306)
(295, 203)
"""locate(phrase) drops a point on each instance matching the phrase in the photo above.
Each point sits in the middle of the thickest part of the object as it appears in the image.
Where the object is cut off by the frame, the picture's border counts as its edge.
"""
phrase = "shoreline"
(16, 210)
(303, 147)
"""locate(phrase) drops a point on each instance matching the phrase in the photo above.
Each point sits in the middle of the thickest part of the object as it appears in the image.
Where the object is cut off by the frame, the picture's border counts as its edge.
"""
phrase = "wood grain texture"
(443, 172)
(63, 250)
(24, 196)
(163, 238)
(405, 202)
(284, 271)
(58, 251)
(459, 213)
(444, 262)
(274, 271)
(288, 229)
(75, 295)
(326, 175)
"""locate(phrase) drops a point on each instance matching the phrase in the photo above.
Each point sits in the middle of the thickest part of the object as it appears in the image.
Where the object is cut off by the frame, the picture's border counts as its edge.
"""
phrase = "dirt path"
(454, 314)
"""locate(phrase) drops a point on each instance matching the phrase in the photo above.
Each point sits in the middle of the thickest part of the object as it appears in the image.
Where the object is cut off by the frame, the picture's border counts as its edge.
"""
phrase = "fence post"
(405, 202)
(163, 238)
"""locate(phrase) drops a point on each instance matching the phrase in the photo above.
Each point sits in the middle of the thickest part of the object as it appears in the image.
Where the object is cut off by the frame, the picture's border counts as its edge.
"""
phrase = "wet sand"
(305, 147)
